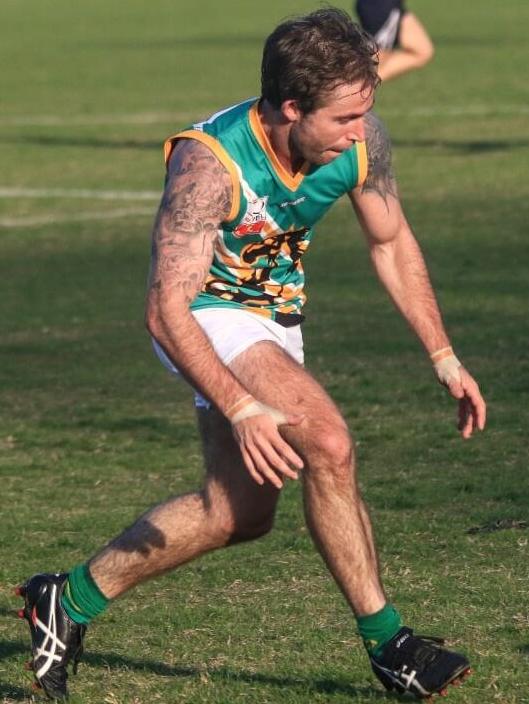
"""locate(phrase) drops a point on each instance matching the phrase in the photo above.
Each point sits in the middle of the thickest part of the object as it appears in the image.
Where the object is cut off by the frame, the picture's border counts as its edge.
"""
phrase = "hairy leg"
(229, 509)
(414, 51)
(335, 513)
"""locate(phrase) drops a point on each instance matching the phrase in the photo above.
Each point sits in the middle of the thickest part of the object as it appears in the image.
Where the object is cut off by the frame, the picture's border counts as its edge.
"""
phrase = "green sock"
(378, 628)
(82, 599)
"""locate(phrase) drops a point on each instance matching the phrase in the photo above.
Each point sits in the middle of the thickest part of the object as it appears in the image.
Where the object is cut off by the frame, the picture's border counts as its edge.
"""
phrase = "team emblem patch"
(254, 219)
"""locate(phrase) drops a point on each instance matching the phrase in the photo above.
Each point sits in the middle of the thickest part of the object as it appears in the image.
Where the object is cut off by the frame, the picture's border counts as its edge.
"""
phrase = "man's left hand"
(472, 408)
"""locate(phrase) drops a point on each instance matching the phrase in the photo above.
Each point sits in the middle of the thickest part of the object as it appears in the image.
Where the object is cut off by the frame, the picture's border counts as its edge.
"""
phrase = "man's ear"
(290, 111)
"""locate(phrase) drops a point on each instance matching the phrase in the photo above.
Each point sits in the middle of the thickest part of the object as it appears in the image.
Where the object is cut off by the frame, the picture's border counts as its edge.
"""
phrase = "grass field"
(92, 431)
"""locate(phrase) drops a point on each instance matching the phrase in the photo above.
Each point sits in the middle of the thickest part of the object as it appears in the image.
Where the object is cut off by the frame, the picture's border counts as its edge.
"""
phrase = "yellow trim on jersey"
(361, 152)
(221, 154)
(291, 182)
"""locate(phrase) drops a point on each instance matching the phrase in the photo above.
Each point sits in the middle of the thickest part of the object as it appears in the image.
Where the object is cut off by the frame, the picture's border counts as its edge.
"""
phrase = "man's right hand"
(265, 453)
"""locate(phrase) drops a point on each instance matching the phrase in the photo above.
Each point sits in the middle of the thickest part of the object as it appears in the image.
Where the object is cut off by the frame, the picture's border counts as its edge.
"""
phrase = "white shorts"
(232, 331)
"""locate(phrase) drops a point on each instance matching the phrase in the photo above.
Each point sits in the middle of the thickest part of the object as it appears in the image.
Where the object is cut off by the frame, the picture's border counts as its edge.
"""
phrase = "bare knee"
(250, 528)
(242, 528)
(331, 450)
(234, 525)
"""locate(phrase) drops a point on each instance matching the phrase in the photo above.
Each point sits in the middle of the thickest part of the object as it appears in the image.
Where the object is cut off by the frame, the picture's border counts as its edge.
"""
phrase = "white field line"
(155, 118)
(140, 118)
(51, 219)
(90, 194)
(76, 193)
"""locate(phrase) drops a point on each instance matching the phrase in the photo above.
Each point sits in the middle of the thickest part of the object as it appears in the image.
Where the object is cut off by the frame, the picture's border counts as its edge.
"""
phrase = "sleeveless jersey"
(257, 256)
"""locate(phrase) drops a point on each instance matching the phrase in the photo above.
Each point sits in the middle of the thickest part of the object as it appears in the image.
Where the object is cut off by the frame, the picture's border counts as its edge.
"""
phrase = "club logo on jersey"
(254, 219)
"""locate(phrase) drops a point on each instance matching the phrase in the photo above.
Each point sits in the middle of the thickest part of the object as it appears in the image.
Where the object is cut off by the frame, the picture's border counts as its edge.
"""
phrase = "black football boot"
(56, 640)
(418, 664)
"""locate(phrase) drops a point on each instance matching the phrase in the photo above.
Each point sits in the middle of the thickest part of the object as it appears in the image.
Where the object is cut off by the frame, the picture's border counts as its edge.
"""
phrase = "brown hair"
(307, 57)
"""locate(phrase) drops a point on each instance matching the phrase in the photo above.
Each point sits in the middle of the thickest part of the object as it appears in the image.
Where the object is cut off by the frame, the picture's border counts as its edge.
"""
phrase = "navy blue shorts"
(381, 18)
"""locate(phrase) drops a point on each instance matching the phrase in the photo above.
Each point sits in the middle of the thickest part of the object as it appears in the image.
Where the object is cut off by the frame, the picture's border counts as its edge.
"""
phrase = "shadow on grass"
(9, 692)
(481, 40)
(305, 683)
(474, 146)
(90, 142)
(10, 613)
(9, 649)
(482, 146)
(326, 685)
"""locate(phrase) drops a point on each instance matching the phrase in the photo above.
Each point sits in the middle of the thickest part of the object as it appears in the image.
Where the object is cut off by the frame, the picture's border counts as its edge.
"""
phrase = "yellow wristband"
(254, 408)
(441, 354)
(239, 405)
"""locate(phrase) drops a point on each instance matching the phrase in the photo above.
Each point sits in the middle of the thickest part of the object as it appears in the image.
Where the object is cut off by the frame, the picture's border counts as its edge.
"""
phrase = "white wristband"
(447, 369)
(254, 408)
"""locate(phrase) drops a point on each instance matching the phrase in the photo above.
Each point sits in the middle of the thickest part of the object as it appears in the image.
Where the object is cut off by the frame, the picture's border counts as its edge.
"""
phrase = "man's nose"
(357, 131)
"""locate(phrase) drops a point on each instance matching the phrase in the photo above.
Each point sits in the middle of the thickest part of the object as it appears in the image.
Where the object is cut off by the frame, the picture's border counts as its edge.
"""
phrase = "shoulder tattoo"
(380, 178)
(196, 199)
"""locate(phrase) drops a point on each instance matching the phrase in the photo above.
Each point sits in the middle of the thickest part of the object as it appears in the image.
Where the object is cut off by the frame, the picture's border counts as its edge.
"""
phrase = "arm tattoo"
(196, 199)
(380, 177)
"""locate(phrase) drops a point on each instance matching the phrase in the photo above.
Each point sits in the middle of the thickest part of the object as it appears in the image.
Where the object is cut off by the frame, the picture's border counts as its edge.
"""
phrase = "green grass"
(93, 432)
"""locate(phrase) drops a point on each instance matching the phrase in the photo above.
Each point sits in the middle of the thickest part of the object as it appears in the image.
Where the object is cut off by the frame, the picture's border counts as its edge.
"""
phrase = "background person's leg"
(415, 49)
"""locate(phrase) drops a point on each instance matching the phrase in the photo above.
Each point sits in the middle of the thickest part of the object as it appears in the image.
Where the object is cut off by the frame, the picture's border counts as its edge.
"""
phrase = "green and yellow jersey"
(257, 261)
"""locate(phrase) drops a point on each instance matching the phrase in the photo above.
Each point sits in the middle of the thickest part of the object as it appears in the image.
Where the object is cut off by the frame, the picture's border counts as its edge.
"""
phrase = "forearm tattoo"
(380, 178)
(196, 199)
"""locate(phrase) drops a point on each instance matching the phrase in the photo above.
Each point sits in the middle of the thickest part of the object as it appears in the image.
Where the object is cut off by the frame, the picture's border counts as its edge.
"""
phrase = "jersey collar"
(291, 182)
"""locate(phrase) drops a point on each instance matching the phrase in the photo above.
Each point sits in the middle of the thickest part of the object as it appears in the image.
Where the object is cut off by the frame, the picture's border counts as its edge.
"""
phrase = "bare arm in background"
(400, 266)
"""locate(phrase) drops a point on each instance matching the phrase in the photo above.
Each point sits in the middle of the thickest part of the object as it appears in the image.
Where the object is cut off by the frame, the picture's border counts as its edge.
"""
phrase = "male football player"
(243, 192)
